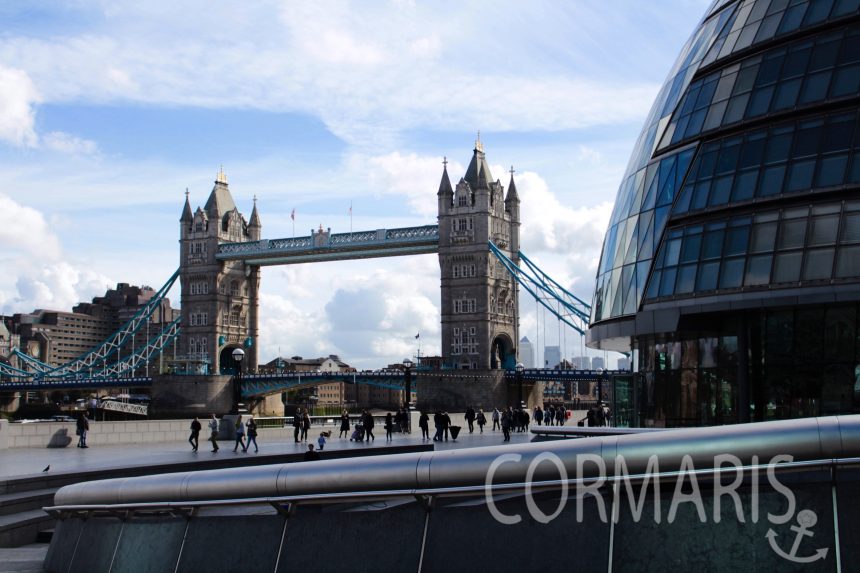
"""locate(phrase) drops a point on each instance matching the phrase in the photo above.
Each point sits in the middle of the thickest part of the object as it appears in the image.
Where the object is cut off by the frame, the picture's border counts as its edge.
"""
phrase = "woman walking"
(482, 420)
(424, 423)
(213, 433)
(344, 424)
(240, 434)
(389, 426)
(251, 431)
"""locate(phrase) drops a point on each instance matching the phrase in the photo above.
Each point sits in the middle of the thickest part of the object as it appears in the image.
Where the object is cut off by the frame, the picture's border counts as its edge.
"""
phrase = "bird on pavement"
(47, 468)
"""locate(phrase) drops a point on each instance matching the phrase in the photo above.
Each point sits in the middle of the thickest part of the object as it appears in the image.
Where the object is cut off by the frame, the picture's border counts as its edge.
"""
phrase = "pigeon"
(47, 468)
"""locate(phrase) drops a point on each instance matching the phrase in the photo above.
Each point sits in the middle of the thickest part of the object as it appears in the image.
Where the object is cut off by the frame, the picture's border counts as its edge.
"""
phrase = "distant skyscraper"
(582, 363)
(597, 362)
(623, 363)
(551, 356)
(527, 353)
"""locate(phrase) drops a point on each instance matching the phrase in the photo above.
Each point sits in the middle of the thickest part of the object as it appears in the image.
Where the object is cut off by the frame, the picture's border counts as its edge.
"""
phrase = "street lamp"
(519, 368)
(238, 355)
(407, 384)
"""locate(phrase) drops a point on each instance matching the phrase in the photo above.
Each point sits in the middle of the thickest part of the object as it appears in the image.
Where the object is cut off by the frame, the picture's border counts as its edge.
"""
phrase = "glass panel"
(713, 244)
(763, 238)
(686, 279)
(851, 228)
(786, 268)
(800, 176)
(745, 185)
(667, 282)
(758, 270)
(817, 264)
(823, 230)
(736, 241)
(771, 181)
(831, 170)
(720, 191)
(690, 249)
(708, 276)
(732, 273)
(848, 262)
(673, 251)
(792, 234)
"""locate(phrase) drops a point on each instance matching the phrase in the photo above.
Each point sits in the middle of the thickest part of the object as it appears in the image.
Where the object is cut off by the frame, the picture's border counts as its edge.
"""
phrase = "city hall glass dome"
(731, 266)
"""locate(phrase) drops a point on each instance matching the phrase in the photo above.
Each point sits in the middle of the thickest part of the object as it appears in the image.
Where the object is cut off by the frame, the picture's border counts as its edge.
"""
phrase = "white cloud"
(67, 143)
(24, 230)
(17, 116)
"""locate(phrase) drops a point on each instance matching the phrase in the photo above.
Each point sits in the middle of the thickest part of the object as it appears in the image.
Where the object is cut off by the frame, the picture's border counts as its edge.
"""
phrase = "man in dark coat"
(470, 418)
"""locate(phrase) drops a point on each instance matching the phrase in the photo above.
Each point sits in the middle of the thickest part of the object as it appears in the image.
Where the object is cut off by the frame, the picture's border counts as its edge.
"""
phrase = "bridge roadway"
(254, 385)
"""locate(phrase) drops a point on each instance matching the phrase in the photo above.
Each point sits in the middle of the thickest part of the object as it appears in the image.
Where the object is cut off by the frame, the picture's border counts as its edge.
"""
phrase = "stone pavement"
(20, 462)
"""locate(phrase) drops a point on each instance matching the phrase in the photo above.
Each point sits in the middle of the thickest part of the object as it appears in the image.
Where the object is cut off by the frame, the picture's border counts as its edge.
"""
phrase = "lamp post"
(519, 368)
(238, 355)
(407, 385)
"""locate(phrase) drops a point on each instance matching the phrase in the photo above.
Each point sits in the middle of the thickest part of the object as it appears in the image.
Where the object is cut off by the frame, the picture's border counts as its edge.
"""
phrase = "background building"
(56, 337)
(527, 353)
(551, 356)
(582, 363)
(623, 363)
(731, 266)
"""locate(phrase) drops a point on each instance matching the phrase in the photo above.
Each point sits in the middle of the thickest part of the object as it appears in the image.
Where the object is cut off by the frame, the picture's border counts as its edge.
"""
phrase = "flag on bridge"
(293, 214)
(418, 335)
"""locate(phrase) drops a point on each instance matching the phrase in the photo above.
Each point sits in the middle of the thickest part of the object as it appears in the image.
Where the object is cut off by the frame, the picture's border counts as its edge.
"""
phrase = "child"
(321, 442)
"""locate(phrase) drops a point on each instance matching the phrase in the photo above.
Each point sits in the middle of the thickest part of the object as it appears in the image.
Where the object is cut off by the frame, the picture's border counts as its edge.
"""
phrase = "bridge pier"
(454, 390)
(184, 396)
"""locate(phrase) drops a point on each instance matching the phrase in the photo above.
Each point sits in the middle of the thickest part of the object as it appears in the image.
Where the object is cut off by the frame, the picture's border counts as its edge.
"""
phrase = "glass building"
(731, 266)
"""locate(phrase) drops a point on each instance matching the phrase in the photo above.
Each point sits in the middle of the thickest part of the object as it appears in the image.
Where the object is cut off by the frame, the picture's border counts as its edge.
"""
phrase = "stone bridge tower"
(220, 299)
(480, 302)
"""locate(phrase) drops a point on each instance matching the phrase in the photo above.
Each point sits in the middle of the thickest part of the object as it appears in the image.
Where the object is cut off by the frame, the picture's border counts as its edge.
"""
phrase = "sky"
(109, 110)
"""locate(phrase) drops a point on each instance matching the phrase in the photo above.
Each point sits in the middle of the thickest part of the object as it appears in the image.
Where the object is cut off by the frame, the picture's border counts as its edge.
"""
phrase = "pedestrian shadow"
(60, 439)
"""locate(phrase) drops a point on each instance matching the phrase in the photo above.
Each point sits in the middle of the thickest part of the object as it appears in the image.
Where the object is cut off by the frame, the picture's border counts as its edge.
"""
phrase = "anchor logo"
(806, 520)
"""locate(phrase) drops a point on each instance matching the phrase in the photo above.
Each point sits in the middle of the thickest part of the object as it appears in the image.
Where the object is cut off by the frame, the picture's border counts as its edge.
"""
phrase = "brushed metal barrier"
(437, 486)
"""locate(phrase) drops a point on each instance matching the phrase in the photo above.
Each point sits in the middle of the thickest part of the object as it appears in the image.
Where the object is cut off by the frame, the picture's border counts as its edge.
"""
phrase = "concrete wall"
(457, 389)
(181, 396)
(62, 434)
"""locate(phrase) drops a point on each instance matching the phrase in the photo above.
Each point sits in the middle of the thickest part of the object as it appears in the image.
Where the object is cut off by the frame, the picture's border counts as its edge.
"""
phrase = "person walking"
(506, 425)
(306, 424)
(297, 424)
(82, 427)
(321, 441)
(446, 424)
(538, 415)
(367, 418)
(344, 425)
(482, 419)
(251, 432)
(470, 418)
(389, 427)
(213, 433)
(495, 418)
(240, 434)
(423, 423)
(194, 438)
(437, 424)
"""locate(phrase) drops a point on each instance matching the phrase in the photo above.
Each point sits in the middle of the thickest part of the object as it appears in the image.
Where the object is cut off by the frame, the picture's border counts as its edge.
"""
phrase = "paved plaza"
(19, 462)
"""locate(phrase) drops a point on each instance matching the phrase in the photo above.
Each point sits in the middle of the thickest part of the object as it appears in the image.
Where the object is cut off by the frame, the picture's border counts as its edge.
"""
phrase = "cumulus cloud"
(25, 230)
(17, 115)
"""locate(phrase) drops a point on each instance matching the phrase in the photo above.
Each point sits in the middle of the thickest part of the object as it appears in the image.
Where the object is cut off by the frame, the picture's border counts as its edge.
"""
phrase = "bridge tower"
(480, 302)
(220, 299)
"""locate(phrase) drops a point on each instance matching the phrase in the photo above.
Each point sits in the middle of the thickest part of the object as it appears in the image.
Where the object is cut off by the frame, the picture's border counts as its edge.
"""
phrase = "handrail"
(804, 439)
(537, 486)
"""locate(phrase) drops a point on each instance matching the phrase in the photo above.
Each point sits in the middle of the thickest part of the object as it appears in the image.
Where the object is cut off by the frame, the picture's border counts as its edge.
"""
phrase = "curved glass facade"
(740, 209)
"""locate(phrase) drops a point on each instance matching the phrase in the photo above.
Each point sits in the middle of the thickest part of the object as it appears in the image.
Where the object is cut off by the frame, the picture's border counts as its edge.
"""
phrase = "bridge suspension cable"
(101, 353)
(563, 304)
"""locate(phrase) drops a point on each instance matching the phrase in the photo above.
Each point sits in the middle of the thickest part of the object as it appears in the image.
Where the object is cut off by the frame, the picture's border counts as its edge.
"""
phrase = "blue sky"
(109, 110)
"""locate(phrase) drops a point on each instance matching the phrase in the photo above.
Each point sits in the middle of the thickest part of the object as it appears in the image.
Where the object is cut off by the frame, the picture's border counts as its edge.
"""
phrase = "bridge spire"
(445, 184)
(187, 217)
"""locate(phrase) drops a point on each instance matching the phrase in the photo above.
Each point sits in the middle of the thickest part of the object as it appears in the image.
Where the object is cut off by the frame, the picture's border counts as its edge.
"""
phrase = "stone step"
(26, 500)
(26, 559)
(22, 528)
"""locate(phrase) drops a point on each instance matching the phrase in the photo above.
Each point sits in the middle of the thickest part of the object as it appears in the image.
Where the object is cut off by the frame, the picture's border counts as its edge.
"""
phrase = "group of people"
(242, 430)
(550, 415)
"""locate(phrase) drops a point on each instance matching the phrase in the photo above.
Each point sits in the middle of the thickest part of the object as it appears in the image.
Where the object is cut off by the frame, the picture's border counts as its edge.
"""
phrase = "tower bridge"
(476, 239)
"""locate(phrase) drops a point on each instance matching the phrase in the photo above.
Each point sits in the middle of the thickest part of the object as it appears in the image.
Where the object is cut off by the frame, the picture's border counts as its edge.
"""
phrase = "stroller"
(358, 433)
